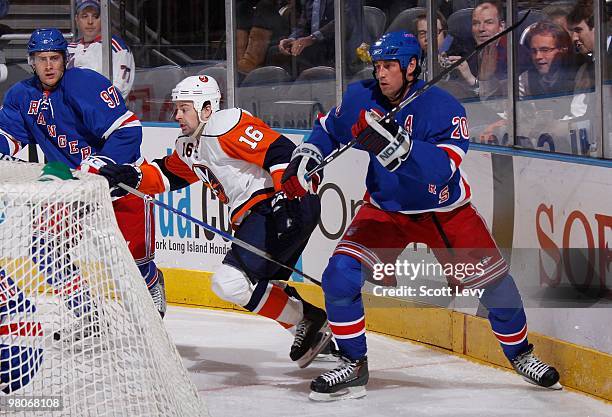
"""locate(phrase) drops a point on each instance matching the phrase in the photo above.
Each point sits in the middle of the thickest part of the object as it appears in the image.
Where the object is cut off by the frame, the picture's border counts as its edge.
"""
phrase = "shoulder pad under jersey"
(222, 121)
(83, 77)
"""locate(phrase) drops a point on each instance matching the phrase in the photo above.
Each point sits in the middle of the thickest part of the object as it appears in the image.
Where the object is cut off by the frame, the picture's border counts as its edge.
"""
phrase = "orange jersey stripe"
(176, 165)
(249, 140)
(276, 179)
(248, 205)
(152, 181)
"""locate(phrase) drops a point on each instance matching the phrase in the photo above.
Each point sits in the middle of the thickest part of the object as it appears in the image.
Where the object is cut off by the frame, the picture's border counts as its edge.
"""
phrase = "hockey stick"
(216, 231)
(200, 223)
(332, 156)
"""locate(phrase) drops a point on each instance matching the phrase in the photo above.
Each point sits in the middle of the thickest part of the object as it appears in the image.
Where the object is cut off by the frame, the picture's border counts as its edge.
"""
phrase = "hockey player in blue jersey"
(21, 341)
(416, 192)
(77, 117)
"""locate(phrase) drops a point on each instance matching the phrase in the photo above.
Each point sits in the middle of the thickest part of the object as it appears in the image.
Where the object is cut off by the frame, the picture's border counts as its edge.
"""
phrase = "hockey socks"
(283, 304)
(507, 316)
(272, 301)
(344, 305)
(154, 279)
(509, 324)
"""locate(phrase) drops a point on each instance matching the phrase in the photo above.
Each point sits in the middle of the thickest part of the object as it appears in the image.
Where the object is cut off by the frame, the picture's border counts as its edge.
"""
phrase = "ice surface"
(240, 364)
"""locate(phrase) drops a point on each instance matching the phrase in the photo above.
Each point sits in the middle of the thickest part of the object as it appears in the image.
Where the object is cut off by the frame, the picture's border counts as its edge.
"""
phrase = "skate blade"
(80, 346)
(555, 387)
(312, 353)
(344, 394)
(325, 357)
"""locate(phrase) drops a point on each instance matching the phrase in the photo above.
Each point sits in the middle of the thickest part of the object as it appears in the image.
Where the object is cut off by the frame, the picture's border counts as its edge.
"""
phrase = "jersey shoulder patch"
(222, 122)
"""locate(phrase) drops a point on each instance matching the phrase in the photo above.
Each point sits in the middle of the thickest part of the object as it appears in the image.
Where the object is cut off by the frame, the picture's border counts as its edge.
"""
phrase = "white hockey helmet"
(199, 89)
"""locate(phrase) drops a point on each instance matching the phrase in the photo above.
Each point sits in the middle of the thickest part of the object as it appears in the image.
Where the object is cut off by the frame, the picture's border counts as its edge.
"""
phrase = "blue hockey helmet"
(400, 46)
(47, 40)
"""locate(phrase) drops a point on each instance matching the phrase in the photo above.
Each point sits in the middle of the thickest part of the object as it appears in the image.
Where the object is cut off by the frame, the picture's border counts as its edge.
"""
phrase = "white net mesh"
(76, 320)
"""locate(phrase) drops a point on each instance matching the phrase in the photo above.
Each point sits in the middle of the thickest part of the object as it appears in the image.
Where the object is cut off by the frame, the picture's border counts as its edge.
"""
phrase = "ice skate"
(158, 294)
(82, 333)
(330, 353)
(312, 335)
(536, 372)
(346, 381)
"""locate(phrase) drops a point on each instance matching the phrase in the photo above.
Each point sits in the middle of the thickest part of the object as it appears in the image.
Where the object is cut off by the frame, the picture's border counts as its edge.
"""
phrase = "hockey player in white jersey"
(241, 160)
(86, 52)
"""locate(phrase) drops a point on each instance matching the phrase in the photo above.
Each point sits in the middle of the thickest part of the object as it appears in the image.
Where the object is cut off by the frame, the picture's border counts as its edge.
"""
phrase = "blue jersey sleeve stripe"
(128, 119)
(12, 146)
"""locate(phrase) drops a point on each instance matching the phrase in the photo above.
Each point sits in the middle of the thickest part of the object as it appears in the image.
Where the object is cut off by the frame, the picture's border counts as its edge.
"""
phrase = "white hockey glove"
(390, 142)
(93, 163)
(304, 158)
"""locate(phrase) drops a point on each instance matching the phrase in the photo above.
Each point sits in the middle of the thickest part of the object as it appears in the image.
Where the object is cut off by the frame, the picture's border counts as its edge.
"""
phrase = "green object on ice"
(55, 171)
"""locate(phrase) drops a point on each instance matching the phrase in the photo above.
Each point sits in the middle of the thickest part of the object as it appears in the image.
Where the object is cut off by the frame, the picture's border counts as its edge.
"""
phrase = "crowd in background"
(554, 51)
(288, 48)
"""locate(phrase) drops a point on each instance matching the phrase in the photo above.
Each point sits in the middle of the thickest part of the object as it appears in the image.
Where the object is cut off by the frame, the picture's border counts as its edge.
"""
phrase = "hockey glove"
(389, 142)
(93, 163)
(304, 158)
(126, 174)
(286, 216)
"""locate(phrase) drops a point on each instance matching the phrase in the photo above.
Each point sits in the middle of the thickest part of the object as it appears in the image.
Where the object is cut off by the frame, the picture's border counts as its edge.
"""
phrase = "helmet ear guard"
(199, 89)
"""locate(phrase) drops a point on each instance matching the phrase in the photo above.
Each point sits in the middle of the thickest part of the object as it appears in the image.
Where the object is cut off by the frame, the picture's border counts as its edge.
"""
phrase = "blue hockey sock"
(149, 273)
(342, 283)
(507, 316)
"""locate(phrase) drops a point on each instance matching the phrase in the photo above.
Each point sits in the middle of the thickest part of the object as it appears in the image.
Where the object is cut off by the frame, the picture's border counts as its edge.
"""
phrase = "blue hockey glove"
(286, 216)
(389, 142)
(127, 174)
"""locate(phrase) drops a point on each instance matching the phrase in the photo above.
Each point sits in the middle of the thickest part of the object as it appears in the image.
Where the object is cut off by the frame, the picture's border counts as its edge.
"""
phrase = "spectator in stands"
(87, 51)
(487, 72)
(312, 41)
(444, 40)
(260, 23)
(554, 67)
(581, 24)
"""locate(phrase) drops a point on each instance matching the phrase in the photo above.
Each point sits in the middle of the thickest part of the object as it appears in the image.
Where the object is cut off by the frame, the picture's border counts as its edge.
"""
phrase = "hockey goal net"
(79, 334)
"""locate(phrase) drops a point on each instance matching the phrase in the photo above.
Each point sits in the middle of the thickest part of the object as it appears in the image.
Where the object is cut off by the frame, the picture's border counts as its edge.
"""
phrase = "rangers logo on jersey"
(33, 109)
(211, 181)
